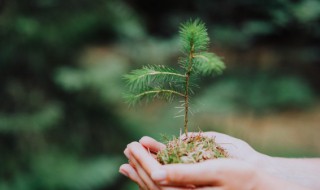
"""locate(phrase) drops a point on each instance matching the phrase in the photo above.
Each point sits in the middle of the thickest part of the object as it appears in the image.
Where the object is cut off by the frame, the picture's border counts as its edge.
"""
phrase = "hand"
(213, 174)
(235, 147)
(299, 171)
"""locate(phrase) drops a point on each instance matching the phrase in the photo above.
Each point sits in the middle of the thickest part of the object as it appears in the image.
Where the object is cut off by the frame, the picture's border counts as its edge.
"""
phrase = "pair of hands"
(242, 171)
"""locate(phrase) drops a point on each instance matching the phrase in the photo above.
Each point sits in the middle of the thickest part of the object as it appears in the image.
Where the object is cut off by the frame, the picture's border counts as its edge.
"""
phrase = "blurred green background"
(64, 124)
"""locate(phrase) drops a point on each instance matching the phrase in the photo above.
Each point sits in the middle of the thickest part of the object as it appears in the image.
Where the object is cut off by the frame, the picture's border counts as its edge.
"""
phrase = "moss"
(192, 149)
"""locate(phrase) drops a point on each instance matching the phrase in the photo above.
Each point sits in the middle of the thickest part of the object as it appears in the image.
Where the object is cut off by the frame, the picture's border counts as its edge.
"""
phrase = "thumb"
(204, 173)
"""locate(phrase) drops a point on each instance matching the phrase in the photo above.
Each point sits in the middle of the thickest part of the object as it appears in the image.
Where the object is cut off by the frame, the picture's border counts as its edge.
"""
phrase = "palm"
(236, 148)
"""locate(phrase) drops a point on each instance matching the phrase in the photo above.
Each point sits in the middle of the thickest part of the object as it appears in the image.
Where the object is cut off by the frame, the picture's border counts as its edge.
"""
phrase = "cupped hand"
(138, 170)
(241, 171)
(209, 175)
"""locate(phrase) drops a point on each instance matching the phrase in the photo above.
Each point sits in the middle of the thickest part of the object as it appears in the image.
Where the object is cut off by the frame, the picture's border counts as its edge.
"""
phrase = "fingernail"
(159, 175)
(126, 152)
(123, 173)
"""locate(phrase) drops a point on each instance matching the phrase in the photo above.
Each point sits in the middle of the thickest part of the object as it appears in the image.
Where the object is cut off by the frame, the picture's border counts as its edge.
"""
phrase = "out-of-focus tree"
(58, 126)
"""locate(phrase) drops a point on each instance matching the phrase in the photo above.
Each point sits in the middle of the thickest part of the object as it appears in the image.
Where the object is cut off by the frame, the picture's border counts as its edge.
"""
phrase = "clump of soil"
(191, 149)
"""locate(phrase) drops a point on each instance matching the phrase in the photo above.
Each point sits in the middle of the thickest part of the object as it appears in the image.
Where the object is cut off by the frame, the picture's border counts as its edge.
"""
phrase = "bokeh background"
(64, 123)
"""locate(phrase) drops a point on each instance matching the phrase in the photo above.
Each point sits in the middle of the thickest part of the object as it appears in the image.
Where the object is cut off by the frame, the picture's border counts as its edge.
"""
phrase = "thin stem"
(186, 105)
(186, 95)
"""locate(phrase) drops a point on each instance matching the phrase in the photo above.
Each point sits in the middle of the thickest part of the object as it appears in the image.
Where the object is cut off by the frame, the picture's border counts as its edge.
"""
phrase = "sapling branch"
(159, 91)
(159, 73)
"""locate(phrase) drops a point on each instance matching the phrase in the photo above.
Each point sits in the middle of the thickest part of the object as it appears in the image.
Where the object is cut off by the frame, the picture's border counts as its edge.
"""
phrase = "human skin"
(247, 169)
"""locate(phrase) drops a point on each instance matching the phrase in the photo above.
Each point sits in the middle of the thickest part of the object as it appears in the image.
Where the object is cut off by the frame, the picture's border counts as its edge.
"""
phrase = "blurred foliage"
(101, 78)
(63, 124)
(261, 94)
(24, 122)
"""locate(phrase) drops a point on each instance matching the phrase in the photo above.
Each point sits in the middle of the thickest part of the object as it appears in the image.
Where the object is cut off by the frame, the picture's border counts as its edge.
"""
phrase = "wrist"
(265, 164)
(272, 167)
(265, 181)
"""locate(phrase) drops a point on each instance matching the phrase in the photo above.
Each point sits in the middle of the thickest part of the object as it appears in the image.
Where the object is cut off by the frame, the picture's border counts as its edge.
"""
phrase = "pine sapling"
(163, 82)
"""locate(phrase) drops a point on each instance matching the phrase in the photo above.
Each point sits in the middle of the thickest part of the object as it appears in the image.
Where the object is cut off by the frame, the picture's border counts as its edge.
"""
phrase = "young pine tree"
(163, 82)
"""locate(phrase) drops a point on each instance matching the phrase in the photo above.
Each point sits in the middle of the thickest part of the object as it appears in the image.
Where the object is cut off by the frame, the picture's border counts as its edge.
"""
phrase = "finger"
(144, 176)
(151, 144)
(199, 188)
(209, 188)
(177, 188)
(144, 158)
(128, 171)
(126, 152)
(143, 162)
(199, 174)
